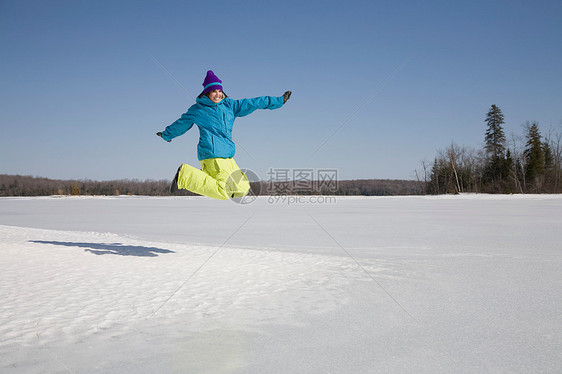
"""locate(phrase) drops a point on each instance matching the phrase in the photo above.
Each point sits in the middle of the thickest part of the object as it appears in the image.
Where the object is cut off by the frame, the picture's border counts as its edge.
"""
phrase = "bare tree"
(426, 176)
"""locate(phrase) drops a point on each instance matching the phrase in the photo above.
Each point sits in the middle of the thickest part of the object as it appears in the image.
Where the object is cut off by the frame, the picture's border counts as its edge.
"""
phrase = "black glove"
(159, 133)
(286, 96)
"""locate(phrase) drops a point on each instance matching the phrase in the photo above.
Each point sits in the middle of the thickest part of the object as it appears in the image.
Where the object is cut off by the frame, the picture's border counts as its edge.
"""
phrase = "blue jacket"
(215, 123)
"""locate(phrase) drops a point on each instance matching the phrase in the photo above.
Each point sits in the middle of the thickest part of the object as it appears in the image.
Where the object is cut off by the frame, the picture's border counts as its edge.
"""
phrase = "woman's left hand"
(286, 96)
(160, 135)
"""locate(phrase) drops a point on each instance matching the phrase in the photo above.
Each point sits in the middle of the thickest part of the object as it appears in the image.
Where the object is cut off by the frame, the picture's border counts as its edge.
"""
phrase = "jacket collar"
(204, 100)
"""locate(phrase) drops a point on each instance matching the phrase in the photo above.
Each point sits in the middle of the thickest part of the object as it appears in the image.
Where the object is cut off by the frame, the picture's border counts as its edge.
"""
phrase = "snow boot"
(174, 186)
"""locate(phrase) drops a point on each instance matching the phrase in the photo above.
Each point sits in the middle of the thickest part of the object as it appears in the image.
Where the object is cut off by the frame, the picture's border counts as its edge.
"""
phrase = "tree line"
(17, 185)
(358, 187)
(521, 164)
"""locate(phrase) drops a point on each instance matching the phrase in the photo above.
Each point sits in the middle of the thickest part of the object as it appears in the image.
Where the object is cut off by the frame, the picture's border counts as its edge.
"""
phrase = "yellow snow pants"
(219, 178)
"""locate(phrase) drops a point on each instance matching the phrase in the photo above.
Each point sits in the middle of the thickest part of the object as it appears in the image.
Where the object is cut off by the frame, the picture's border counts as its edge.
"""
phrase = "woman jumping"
(214, 114)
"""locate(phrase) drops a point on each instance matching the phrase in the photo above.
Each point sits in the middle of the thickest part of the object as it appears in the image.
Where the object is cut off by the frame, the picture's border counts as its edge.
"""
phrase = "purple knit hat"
(211, 82)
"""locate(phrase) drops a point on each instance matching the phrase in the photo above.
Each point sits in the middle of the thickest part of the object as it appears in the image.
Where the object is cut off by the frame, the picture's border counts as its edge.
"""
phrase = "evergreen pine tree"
(548, 156)
(534, 157)
(510, 170)
(549, 171)
(495, 137)
(496, 163)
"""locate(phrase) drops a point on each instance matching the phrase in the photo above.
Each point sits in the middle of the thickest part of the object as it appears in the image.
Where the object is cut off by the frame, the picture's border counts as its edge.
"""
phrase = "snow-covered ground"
(453, 284)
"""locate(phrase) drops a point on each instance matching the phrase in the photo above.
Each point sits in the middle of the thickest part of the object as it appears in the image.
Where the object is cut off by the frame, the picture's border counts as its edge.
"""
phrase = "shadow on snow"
(111, 248)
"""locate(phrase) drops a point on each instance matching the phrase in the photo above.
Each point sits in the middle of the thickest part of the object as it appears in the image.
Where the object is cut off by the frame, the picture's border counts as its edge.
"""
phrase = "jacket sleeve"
(244, 107)
(179, 127)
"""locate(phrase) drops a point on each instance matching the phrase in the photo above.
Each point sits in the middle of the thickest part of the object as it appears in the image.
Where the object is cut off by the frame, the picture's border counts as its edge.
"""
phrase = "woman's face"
(216, 96)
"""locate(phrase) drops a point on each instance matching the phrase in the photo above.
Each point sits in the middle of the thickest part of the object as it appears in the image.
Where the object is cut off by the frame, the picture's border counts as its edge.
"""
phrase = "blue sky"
(378, 86)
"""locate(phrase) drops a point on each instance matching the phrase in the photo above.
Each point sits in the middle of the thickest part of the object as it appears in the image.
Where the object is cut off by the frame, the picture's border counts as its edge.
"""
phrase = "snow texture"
(445, 284)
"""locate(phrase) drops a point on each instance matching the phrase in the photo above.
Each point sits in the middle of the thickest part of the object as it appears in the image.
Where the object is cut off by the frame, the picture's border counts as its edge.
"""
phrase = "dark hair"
(203, 94)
